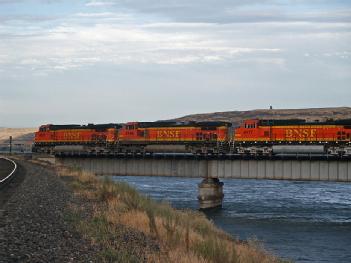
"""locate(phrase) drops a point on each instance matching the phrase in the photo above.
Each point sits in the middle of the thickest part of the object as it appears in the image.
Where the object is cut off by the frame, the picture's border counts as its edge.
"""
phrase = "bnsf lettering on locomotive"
(168, 134)
(71, 135)
(300, 133)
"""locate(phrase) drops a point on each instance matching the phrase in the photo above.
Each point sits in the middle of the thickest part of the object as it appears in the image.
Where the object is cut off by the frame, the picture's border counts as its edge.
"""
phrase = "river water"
(302, 221)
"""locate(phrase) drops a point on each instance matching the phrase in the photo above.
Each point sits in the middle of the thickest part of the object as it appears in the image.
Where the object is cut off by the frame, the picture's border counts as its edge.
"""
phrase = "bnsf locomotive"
(293, 136)
(61, 137)
(253, 137)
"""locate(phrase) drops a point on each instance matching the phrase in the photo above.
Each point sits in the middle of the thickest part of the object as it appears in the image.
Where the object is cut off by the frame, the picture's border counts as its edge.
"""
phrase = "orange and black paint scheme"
(293, 131)
(192, 137)
(100, 134)
(196, 137)
(173, 132)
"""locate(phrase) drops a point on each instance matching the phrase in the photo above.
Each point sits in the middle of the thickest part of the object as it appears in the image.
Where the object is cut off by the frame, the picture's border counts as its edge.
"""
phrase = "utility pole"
(10, 144)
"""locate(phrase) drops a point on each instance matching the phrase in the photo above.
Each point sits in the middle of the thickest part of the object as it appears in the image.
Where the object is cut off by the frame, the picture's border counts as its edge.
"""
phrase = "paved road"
(6, 167)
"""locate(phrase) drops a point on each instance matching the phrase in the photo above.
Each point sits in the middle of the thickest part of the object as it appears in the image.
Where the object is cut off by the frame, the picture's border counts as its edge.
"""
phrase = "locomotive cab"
(41, 138)
(44, 128)
(250, 124)
(252, 131)
(131, 131)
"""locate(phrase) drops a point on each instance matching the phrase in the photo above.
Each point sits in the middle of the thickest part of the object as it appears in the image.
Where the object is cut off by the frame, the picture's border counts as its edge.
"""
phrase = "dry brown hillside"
(236, 117)
(20, 135)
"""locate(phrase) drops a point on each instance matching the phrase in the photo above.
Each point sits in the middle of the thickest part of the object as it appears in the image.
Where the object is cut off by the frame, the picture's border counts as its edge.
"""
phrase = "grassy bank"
(168, 235)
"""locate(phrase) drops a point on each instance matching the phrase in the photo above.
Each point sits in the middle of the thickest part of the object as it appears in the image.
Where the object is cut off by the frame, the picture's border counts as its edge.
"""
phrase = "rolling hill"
(236, 117)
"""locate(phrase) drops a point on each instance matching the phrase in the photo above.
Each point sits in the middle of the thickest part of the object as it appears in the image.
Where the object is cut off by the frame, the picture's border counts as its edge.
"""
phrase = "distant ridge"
(19, 135)
(236, 117)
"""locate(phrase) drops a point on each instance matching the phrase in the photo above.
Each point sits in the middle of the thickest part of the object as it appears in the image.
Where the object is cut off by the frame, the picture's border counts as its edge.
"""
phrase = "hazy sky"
(77, 61)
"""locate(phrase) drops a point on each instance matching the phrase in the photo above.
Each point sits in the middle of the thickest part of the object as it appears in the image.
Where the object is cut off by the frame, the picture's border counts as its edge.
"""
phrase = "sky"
(102, 61)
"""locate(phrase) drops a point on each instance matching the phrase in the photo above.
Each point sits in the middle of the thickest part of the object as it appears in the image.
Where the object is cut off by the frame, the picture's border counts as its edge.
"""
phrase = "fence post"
(10, 144)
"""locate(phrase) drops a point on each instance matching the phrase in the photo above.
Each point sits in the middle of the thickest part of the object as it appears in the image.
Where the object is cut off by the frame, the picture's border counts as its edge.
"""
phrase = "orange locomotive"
(293, 136)
(195, 137)
(50, 136)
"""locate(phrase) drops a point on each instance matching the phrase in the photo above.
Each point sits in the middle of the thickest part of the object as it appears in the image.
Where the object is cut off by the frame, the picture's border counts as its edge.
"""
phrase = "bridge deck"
(280, 169)
(212, 157)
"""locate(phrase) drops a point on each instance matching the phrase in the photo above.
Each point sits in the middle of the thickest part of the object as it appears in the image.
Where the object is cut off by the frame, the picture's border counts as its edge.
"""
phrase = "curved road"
(9, 179)
(6, 168)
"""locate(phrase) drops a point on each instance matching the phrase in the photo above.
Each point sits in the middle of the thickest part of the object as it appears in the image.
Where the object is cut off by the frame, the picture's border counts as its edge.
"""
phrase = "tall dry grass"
(183, 236)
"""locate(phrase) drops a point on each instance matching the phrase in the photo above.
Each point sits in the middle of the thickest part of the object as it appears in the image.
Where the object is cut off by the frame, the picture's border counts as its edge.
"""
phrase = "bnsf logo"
(300, 133)
(71, 136)
(168, 134)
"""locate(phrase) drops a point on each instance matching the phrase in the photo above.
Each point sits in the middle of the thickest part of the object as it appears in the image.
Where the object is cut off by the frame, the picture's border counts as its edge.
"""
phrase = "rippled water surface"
(303, 221)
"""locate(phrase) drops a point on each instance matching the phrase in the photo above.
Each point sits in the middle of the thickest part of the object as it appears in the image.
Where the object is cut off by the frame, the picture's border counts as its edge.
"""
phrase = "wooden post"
(10, 144)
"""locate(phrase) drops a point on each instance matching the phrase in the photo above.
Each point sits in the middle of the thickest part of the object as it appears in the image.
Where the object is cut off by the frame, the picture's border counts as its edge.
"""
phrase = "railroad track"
(7, 170)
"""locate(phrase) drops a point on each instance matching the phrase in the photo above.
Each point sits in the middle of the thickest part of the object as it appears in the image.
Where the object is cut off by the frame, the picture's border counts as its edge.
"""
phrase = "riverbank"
(64, 215)
(168, 235)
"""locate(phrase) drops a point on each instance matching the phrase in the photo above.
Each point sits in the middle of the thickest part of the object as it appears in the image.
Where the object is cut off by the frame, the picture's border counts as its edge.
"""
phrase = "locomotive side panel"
(251, 131)
(49, 137)
(74, 136)
(164, 134)
(305, 133)
(131, 133)
(197, 138)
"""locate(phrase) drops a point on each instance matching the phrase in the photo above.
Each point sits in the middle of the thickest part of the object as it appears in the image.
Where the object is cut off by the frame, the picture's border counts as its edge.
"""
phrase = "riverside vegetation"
(171, 235)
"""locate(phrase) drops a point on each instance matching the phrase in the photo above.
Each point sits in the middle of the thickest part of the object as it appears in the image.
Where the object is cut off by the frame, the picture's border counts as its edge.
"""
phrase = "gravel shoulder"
(33, 226)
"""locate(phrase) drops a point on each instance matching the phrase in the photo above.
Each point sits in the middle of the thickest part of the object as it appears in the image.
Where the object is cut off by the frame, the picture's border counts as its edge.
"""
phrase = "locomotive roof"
(55, 127)
(157, 124)
(303, 122)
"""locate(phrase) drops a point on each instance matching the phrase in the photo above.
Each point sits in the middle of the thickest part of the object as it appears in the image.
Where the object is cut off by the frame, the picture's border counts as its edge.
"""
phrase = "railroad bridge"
(316, 168)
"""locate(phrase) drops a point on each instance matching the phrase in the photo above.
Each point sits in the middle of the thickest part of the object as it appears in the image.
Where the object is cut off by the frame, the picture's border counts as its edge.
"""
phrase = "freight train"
(253, 137)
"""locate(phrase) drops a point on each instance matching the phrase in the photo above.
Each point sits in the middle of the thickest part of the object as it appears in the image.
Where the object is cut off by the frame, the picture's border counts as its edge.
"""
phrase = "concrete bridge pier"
(210, 193)
(210, 190)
